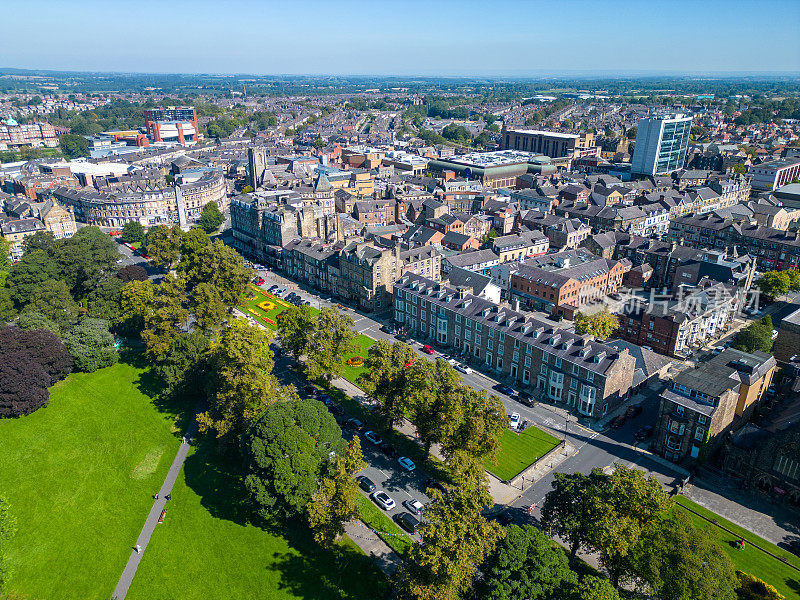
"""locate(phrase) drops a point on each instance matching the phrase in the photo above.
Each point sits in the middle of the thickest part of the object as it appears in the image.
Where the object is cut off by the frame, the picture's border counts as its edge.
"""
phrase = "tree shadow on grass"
(315, 573)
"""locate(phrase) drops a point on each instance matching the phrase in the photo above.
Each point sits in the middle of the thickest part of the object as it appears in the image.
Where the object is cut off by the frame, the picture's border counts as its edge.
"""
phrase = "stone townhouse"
(705, 403)
(519, 246)
(576, 372)
(313, 263)
(563, 232)
(374, 213)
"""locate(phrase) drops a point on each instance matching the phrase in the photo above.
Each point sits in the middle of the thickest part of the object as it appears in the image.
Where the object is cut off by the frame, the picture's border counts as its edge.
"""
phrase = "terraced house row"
(576, 371)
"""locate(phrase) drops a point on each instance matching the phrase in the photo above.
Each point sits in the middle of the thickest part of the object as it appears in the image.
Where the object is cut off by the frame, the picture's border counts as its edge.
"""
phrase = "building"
(13, 135)
(771, 175)
(564, 282)
(480, 261)
(661, 144)
(172, 124)
(493, 169)
(57, 220)
(550, 143)
(787, 344)
(16, 230)
(519, 246)
(575, 372)
(704, 403)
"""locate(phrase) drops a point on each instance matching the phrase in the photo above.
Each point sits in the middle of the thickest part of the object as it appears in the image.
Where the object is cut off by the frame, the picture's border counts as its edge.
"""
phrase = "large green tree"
(386, 379)
(480, 420)
(239, 383)
(53, 299)
(34, 268)
(133, 233)
(296, 326)
(333, 339)
(334, 503)
(756, 336)
(286, 451)
(167, 318)
(600, 324)
(220, 266)
(136, 304)
(182, 369)
(7, 310)
(85, 258)
(457, 539)
(210, 218)
(207, 306)
(5, 260)
(103, 302)
(91, 344)
(778, 283)
(526, 564)
(594, 588)
(681, 562)
(163, 245)
(73, 146)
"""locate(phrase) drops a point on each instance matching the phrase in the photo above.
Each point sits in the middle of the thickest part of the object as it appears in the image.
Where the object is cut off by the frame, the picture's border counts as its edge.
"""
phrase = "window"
(590, 375)
(458, 318)
(573, 384)
(575, 369)
(477, 326)
(679, 410)
(527, 361)
(545, 357)
(458, 330)
(702, 419)
(699, 433)
(543, 370)
(557, 362)
(502, 338)
(489, 343)
(515, 357)
(422, 315)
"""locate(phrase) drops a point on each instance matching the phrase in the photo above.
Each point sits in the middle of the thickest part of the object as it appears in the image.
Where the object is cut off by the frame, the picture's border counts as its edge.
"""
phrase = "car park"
(406, 463)
(365, 483)
(462, 368)
(373, 437)
(383, 500)
(428, 350)
(633, 411)
(513, 420)
(618, 421)
(414, 506)
(407, 521)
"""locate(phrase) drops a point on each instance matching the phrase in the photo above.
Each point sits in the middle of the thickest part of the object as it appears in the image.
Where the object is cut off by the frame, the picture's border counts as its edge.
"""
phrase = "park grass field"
(363, 344)
(79, 475)
(518, 451)
(206, 548)
(750, 560)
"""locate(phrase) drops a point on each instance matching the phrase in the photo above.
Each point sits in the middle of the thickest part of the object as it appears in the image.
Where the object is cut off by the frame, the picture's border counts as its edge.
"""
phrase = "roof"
(477, 257)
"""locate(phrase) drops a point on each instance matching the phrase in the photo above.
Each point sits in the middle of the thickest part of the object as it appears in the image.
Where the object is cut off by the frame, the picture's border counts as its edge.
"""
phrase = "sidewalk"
(386, 559)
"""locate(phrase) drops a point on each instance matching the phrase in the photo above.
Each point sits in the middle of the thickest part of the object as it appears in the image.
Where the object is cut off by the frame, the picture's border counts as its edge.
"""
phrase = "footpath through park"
(159, 505)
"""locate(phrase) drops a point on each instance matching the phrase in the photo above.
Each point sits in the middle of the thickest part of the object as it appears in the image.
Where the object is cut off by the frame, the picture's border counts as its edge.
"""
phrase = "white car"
(462, 368)
(774, 333)
(414, 506)
(452, 362)
(407, 463)
(513, 420)
(383, 500)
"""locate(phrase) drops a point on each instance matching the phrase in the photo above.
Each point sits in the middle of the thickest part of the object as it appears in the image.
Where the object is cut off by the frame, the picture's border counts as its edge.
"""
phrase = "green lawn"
(206, 549)
(378, 521)
(751, 560)
(518, 451)
(352, 373)
(79, 475)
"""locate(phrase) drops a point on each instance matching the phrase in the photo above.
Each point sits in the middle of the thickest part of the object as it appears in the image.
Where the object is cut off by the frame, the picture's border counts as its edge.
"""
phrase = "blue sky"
(407, 37)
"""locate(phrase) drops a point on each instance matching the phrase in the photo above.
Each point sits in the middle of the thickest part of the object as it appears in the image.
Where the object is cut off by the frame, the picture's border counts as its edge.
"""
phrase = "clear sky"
(405, 37)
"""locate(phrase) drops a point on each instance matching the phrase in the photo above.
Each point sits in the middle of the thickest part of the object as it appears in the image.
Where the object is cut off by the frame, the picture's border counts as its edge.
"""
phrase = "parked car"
(633, 411)
(365, 483)
(273, 288)
(383, 500)
(428, 350)
(644, 433)
(407, 521)
(717, 350)
(430, 482)
(354, 424)
(406, 463)
(504, 389)
(415, 506)
(618, 421)
(374, 438)
(386, 328)
(325, 399)
(388, 450)
(260, 281)
(336, 410)
(525, 398)
(311, 390)
(774, 333)
(462, 368)
(513, 420)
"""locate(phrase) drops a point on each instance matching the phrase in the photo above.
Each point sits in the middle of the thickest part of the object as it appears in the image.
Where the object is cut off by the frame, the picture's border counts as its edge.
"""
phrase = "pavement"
(160, 504)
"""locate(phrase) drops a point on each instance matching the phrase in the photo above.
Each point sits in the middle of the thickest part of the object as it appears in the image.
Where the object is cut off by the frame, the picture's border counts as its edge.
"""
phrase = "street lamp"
(566, 430)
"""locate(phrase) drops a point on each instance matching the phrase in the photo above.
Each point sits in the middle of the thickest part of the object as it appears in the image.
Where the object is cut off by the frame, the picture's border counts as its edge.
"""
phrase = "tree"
(136, 304)
(73, 146)
(525, 564)
(625, 506)
(168, 316)
(567, 124)
(7, 531)
(182, 368)
(34, 268)
(53, 299)
(296, 325)
(285, 452)
(756, 336)
(681, 562)
(104, 301)
(132, 273)
(5, 260)
(92, 345)
(7, 310)
(594, 588)
(386, 379)
(239, 383)
(162, 245)
(207, 306)
(210, 218)
(334, 503)
(85, 258)
(570, 511)
(601, 324)
(430, 390)
(191, 243)
(457, 539)
(331, 342)
(631, 133)
(752, 588)
(41, 240)
(778, 283)
(29, 320)
(133, 233)
(479, 421)
(220, 266)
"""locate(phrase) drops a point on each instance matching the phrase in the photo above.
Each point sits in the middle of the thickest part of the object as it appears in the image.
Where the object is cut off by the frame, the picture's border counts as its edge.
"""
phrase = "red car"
(428, 350)
(260, 281)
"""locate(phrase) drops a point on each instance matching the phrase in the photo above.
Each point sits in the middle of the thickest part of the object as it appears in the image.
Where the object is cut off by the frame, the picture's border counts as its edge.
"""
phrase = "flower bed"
(266, 305)
(355, 361)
